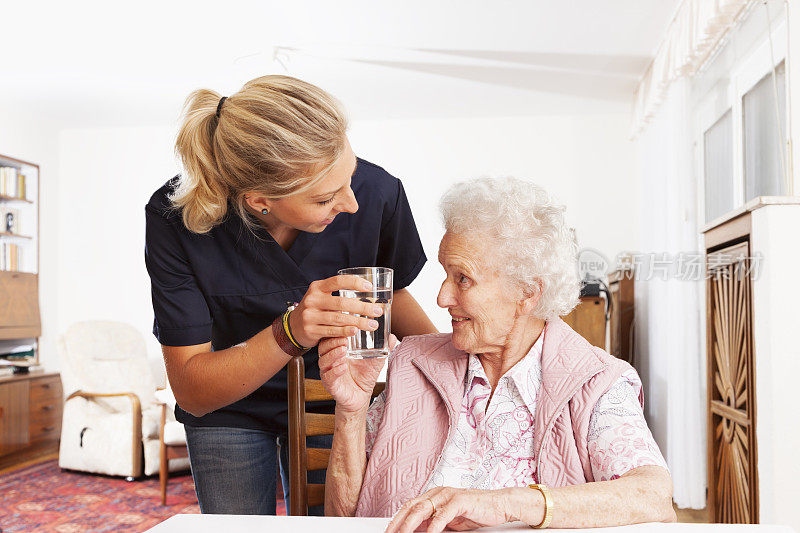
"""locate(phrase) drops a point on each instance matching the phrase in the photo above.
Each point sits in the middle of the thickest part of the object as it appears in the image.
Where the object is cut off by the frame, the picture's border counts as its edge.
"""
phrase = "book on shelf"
(17, 358)
(13, 183)
(10, 257)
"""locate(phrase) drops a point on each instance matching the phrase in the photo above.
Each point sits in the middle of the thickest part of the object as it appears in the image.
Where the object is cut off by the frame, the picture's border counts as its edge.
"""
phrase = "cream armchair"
(111, 418)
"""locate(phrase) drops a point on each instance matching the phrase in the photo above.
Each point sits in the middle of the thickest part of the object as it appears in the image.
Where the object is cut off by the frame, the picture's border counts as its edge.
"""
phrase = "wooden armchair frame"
(136, 404)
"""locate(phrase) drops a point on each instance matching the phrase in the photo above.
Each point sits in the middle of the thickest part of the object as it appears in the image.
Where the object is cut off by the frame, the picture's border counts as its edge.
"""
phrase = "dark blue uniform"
(230, 283)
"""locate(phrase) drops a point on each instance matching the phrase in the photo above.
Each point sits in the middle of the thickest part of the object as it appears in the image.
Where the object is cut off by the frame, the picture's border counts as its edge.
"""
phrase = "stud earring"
(265, 211)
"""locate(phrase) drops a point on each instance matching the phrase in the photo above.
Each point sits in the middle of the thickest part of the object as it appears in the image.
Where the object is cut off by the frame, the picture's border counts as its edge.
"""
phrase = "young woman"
(271, 204)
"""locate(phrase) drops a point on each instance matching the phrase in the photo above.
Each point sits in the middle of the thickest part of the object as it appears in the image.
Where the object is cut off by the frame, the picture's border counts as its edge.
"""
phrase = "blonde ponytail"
(278, 135)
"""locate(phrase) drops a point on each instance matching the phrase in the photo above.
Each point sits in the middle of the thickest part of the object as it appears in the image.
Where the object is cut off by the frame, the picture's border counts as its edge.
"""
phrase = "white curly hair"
(532, 244)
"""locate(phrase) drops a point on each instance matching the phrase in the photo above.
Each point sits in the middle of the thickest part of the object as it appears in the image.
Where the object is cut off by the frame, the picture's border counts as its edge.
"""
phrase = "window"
(764, 136)
(718, 159)
(738, 102)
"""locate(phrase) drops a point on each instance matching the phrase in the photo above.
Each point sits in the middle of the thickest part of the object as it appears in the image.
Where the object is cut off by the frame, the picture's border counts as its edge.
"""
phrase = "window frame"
(746, 72)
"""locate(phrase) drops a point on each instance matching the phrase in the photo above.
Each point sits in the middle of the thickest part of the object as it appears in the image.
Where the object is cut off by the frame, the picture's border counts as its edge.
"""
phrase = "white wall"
(776, 362)
(586, 161)
(108, 175)
(35, 140)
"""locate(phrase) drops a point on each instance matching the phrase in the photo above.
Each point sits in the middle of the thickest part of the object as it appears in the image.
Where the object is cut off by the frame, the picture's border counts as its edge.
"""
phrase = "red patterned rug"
(43, 497)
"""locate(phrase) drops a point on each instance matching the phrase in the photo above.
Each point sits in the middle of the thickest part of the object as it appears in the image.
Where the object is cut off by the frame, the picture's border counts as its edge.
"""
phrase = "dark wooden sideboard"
(30, 416)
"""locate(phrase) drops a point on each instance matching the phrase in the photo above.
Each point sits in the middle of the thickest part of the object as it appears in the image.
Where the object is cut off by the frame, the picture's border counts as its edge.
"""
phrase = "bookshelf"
(30, 404)
(3, 197)
(20, 322)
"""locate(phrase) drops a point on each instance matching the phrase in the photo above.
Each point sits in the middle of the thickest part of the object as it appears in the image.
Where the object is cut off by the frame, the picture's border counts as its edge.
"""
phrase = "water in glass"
(370, 344)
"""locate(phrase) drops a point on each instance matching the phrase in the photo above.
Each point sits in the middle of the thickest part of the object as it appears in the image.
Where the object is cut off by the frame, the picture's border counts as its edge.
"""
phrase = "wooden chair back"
(302, 424)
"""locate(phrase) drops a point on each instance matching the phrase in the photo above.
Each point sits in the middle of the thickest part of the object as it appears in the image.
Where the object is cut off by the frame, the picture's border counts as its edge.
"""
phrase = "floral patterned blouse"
(492, 446)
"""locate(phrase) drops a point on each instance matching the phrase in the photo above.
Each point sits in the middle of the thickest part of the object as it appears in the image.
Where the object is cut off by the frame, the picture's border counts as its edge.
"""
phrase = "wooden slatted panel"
(317, 458)
(316, 494)
(733, 480)
(318, 424)
(315, 391)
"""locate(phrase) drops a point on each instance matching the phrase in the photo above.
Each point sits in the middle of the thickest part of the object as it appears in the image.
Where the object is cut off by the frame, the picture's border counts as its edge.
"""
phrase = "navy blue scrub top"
(228, 284)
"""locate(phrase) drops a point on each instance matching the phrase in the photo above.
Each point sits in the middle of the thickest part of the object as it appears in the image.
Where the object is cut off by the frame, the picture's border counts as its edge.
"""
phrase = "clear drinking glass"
(371, 344)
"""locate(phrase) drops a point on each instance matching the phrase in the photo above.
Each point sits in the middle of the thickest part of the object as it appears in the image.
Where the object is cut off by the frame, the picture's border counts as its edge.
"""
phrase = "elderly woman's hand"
(350, 381)
(455, 509)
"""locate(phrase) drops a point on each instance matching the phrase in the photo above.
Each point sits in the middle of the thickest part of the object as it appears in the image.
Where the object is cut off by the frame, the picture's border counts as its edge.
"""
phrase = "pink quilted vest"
(425, 387)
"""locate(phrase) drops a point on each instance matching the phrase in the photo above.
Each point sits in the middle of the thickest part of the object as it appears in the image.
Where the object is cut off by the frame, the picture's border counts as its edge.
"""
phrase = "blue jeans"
(235, 470)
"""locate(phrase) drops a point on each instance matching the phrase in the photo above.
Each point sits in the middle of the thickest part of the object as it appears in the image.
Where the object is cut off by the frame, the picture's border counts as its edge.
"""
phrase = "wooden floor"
(692, 516)
(33, 461)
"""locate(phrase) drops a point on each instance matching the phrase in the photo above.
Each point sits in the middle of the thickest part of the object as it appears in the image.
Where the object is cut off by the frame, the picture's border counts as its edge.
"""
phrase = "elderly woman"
(513, 416)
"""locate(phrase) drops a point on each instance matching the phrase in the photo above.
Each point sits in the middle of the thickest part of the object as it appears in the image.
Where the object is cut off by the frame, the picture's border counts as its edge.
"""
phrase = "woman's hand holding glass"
(320, 314)
(350, 381)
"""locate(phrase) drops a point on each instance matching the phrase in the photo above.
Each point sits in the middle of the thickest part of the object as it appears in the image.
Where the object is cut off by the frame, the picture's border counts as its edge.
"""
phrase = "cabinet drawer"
(44, 430)
(46, 411)
(44, 390)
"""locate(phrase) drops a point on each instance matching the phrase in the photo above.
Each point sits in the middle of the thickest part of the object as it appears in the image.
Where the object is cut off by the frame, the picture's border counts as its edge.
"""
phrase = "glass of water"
(371, 344)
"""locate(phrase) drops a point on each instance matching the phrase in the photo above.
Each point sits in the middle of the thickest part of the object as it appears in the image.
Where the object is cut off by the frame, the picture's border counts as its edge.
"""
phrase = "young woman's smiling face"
(314, 209)
(479, 300)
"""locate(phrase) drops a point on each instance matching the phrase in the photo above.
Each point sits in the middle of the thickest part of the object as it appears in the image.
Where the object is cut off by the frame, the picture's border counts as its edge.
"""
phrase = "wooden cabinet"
(19, 310)
(30, 416)
(753, 361)
(13, 416)
(44, 409)
(620, 285)
(588, 319)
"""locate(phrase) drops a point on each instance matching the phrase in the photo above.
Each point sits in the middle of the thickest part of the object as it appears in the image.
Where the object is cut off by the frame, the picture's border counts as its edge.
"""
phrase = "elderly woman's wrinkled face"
(480, 301)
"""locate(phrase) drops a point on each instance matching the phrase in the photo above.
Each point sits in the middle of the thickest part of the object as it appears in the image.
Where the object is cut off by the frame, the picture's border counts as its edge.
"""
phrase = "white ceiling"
(87, 64)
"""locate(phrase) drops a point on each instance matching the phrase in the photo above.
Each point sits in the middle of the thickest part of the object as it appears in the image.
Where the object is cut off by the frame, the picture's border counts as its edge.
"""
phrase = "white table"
(209, 523)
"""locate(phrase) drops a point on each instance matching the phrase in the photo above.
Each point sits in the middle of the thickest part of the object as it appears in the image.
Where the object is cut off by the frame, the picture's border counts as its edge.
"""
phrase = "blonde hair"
(277, 136)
